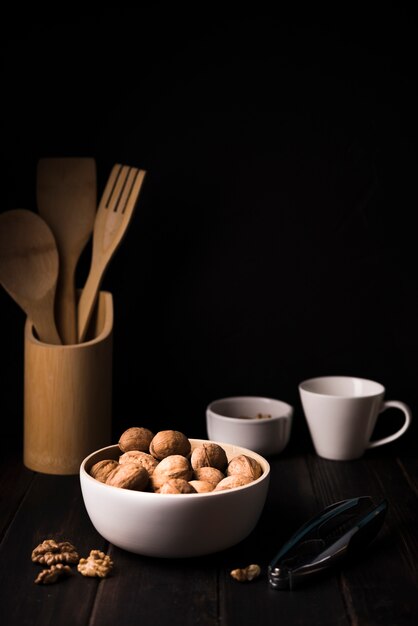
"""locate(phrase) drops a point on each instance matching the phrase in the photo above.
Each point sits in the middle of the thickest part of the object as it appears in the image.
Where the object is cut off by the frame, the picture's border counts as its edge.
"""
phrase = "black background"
(275, 237)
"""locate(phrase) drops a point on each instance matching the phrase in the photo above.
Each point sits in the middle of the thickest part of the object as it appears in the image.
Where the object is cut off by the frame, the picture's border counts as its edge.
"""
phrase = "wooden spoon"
(29, 268)
(67, 200)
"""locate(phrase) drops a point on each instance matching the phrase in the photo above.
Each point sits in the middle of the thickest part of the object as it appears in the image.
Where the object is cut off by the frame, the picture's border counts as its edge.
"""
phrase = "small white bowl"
(234, 420)
(173, 525)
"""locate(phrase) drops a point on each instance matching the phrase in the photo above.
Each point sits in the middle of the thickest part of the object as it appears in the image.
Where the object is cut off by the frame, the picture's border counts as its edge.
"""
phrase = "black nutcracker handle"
(339, 530)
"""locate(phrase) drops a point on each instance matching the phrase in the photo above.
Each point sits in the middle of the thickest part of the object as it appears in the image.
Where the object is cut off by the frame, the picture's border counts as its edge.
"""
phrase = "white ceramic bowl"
(173, 525)
(267, 436)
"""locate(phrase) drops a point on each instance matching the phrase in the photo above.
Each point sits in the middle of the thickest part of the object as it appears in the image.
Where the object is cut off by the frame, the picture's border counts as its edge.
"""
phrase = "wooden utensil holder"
(68, 396)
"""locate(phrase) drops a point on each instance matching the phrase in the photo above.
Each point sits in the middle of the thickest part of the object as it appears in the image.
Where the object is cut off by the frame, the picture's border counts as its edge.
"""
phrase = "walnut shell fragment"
(97, 564)
(136, 438)
(53, 574)
(246, 574)
(169, 442)
(209, 455)
(50, 552)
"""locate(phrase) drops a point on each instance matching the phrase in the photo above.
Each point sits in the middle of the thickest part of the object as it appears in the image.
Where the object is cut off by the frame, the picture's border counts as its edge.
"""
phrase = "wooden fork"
(112, 220)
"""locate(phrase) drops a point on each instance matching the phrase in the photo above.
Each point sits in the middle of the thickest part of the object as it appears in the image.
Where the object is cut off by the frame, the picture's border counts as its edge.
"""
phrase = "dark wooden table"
(380, 587)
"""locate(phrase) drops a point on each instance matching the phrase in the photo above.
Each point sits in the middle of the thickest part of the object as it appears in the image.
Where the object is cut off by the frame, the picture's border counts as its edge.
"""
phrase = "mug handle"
(408, 418)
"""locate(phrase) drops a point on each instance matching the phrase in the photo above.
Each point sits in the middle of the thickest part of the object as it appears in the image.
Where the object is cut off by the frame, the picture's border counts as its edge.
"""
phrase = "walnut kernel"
(246, 574)
(97, 564)
(52, 574)
(50, 552)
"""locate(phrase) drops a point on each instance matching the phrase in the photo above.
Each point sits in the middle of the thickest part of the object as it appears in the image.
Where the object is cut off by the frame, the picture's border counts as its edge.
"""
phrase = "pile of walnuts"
(59, 556)
(165, 463)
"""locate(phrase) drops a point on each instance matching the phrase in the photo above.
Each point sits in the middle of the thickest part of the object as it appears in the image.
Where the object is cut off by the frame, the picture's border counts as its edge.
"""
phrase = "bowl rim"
(251, 420)
(84, 474)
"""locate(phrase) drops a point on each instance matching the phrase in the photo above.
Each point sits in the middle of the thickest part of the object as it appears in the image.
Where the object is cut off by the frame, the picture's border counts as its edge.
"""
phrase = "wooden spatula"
(29, 268)
(67, 201)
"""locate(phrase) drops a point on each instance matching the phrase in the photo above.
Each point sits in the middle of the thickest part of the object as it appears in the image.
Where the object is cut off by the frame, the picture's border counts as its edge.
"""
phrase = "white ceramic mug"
(341, 412)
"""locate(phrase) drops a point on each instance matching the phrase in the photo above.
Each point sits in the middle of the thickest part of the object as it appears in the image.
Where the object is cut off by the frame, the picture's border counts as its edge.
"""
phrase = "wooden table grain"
(379, 587)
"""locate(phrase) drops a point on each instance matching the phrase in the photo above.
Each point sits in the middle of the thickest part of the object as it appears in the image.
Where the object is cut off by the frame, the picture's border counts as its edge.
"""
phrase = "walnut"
(101, 470)
(209, 455)
(247, 573)
(97, 564)
(135, 438)
(169, 442)
(245, 466)
(208, 474)
(129, 476)
(177, 485)
(49, 552)
(143, 459)
(174, 466)
(202, 486)
(230, 482)
(54, 573)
